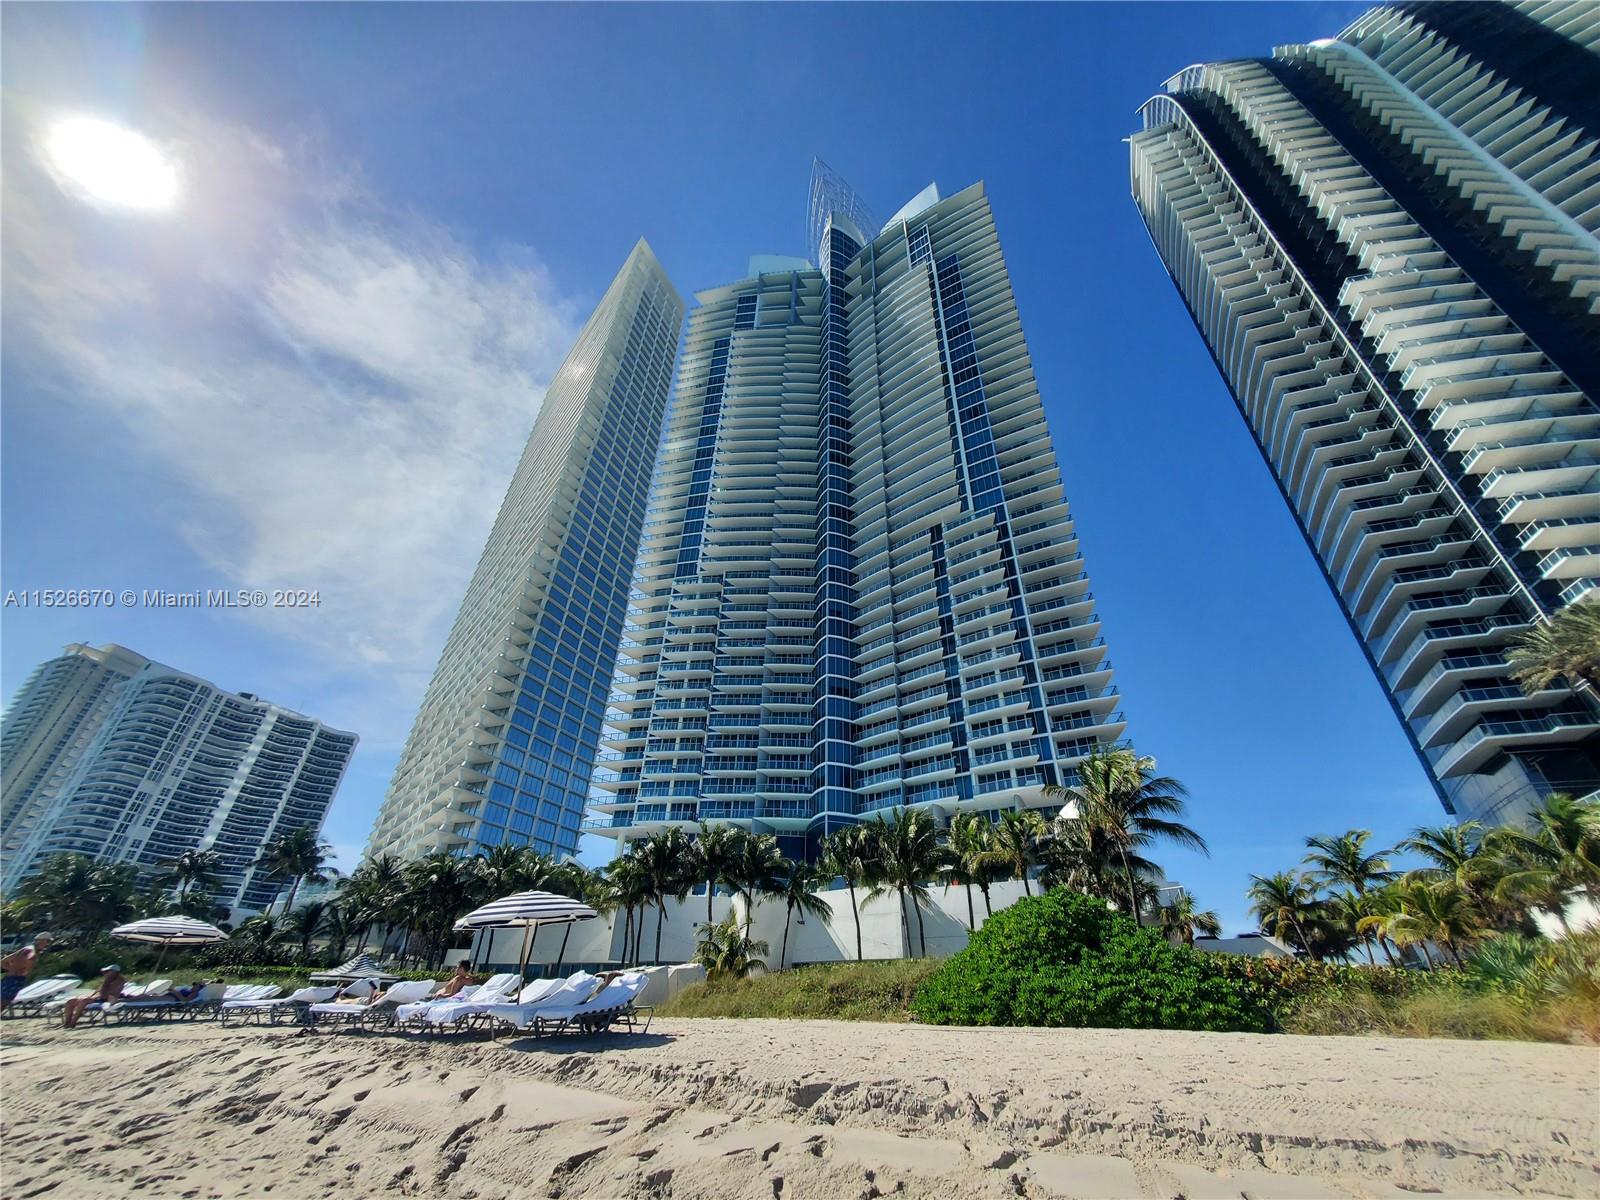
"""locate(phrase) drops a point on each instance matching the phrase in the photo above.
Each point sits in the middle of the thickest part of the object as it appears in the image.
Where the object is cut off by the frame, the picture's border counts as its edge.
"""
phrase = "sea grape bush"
(1065, 959)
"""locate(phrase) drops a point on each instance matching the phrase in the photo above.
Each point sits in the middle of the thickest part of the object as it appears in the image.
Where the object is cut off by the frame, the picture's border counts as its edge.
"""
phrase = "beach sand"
(775, 1110)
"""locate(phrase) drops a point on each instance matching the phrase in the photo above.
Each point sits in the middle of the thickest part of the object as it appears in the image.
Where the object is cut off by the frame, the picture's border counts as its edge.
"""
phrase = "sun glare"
(111, 166)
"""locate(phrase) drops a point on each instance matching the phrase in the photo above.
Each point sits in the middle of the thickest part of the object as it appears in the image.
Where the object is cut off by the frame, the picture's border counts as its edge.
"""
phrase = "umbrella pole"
(161, 956)
(561, 953)
(527, 948)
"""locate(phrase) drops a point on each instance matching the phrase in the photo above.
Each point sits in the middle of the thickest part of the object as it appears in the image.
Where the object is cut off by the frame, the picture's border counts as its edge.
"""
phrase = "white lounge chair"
(574, 989)
(459, 1011)
(271, 1009)
(612, 1003)
(382, 1011)
(206, 1002)
(30, 1001)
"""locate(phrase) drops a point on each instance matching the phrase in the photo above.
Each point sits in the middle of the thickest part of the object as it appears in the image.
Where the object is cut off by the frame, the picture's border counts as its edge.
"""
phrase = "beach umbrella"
(169, 931)
(529, 910)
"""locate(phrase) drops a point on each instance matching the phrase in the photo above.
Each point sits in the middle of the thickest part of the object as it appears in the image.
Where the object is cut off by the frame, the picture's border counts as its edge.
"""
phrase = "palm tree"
(1014, 843)
(303, 924)
(1457, 853)
(298, 855)
(1343, 860)
(337, 927)
(74, 894)
(663, 858)
(1082, 857)
(1438, 912)
(714, 849)
(972, 858)
(1561, 652)
(193, 869)
(1182, 916)
(1120, 796)
(755, 871)
(908, 855)
(629, 892)
(1282, 899)
(505, 870)
(1559, 856)
(724, 950)
(799, 890)
(372, 894)
(851, 854)
(440, 890)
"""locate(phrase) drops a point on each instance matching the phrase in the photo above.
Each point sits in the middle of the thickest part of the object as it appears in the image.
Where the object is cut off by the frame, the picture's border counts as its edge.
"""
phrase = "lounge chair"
(381, 1012)
(206, 1002)
(611, 1004)
(458, 1011)
(30, 1001)
(272, 1009)
(574, 989)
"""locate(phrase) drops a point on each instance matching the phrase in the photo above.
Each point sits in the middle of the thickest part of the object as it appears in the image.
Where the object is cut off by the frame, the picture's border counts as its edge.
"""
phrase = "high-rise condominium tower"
(1388, 242)
(503, 745)
(859, 587)
(130, 761)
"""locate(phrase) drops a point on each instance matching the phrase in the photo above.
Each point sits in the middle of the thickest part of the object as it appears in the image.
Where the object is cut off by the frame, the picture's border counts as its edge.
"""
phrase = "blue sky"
(319, 371)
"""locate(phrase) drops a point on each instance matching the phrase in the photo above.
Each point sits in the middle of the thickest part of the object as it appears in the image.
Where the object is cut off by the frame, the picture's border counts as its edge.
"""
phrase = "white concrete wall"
(944, 919)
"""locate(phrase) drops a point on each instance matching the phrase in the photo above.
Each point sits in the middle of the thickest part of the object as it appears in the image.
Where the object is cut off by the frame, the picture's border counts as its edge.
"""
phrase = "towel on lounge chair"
(600, 1008)
(442, 1010)
(575, 989)
(406, 993)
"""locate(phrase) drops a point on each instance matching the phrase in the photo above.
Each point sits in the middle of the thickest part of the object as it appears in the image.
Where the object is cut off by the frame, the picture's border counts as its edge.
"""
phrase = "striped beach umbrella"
(169, 931)
(529, 910)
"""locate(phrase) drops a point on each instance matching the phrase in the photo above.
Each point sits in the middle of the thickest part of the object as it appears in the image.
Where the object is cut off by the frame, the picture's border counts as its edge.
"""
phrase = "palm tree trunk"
(711, 887)
(1366, 944)
(627, 931)
(922, 937)
(1387, 953)
(988, 911)
(661, 915)
(972, 920)
(905, 922)
(1301, 934)
(856, 913)
(1133, 892)
(294, 886)
(749, 914)
(783, 954)
(1022, 873)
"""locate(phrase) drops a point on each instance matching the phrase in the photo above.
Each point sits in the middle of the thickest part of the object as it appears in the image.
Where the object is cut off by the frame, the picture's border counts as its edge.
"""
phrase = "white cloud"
(345, 388)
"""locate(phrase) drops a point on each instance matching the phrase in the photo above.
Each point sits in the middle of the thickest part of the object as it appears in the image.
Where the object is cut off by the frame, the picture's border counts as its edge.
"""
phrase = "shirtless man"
(17, 966)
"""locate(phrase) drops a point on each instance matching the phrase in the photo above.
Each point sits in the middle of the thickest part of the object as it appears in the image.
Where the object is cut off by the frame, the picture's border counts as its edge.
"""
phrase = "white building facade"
(177, 764)
(860, 588)
(50, 723)
(504, 742)
(1388, 242)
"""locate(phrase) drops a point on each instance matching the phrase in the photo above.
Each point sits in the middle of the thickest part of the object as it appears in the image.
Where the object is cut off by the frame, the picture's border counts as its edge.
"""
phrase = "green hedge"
(1065, 959)
(1282, 983)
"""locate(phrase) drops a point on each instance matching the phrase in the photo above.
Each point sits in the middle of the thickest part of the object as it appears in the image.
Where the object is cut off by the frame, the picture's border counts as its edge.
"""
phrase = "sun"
(110, 166)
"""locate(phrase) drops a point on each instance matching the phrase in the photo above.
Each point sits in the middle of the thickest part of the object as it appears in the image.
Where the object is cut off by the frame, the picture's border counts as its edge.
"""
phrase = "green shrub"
(1065, 959)
(849, 991)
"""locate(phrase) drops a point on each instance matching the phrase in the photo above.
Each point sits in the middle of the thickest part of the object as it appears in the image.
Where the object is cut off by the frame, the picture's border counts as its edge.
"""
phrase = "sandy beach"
(781, 1109)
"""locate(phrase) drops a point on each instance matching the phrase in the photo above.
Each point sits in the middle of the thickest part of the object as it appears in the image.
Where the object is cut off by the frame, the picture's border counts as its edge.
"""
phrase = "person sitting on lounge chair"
(110, 989)
(459, 979)
(185, 992)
